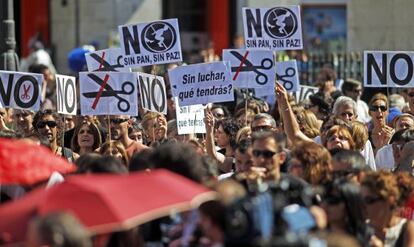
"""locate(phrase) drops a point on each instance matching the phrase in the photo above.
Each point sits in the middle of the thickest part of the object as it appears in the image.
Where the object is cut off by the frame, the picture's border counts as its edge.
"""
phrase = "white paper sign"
(190, 119)
(251, 69)
(202, 83)
(287, 74)
(277, 28)
(66, 94)
(20, 90)
(156, 42)
(106, 60)
(108, 93)
(153, 92)
(388, 69)
(304, 93)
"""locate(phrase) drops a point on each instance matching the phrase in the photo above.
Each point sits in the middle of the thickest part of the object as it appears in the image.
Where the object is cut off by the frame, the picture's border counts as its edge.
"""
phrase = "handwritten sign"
(190, 119)
(202, 83)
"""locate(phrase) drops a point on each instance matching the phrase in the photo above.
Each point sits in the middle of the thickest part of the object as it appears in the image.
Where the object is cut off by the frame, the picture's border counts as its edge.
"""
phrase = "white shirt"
(363, 111)
(384, 158)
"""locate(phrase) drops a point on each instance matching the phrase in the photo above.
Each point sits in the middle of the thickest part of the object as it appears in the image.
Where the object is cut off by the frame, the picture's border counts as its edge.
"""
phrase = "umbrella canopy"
(106, 203)
(24, 163)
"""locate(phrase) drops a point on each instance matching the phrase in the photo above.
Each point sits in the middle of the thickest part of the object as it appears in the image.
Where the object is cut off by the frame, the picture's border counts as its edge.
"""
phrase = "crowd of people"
(330, 170)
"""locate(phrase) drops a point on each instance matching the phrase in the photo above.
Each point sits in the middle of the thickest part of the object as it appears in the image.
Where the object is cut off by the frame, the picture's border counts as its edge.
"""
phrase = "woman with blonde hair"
(243, 133)
(308, 123)
(360, 137)
(380, 133)
(116, 149)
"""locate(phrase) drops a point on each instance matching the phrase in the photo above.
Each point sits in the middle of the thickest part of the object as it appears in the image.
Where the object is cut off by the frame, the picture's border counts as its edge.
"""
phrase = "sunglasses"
(333, 199)
(265, 153)
(118, 120)
(411, 94)
(376, 108)
(371, 199)
(42, 124)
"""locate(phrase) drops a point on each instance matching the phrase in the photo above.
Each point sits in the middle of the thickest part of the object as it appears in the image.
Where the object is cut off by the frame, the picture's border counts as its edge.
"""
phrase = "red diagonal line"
(99, 94)
(241, 65)
(26, 90)
(102, 60)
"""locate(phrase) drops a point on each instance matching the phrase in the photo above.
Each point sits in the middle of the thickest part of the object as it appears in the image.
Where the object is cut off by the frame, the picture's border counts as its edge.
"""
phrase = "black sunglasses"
(118, 120)
(376, 108)
(42, 124)
(371, 199)
(265, 153)
(411, 94)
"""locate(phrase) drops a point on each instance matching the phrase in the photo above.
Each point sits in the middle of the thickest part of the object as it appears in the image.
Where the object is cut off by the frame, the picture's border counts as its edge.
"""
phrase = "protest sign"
(20, 90)
(106, 60)
(304, 93)
(156, 42)
(108, 93)
(251, 69)
(287, 74)
(153, 92)
(66, 94)
(277, 28)
(388, 69)
(202, 83)
(190, 119)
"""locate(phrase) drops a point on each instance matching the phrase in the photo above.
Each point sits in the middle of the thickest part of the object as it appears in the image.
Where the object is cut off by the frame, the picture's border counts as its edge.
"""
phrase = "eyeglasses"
(42, 124)
(376, 108)
(261, 128)
(118, 120)
(265, 153)
(333, 199)
(371, 199)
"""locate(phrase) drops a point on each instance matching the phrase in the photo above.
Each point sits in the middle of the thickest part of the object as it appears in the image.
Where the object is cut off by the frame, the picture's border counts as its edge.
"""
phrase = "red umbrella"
(25, 163)
(106, 203)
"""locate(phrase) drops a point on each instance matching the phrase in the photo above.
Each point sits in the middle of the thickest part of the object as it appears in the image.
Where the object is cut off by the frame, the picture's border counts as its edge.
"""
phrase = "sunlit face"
(47, 127)
(85, 137)
(119, 126)
(379, 112)
(404, 123)
(136, 136)
(22, 120)
(346, 113)
(262, 124)
(337, 140)
(114, 152)
(265, 154)
(157, 128)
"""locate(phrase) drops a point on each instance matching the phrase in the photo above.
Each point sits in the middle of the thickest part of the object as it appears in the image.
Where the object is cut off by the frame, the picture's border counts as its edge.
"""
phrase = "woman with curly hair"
(312, 162)
(382, 197)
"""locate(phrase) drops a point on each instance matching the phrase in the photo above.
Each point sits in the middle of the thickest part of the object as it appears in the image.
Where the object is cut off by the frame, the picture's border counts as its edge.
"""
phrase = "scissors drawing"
(127, 89)
(105, 65)
(289, 73)
(261, 78)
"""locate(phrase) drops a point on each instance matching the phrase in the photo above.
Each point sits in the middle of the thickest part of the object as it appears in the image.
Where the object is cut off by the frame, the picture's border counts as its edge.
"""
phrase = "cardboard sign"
(155, 42)
(153, 92)
(106, 60)
(287, 74)
(20, 90)
(202, 83)
(66, 94)
(190, 119)
(277, 28)
(388, 69)
(108, 93)
(251, 69)
(304, 93)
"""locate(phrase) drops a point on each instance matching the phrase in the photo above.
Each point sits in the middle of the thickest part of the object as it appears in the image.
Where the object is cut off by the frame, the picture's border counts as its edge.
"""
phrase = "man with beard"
(118, 125)
(45, 124)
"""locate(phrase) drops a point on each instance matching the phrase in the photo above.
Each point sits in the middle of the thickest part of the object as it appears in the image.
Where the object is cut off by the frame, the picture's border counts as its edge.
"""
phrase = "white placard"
(388, 69)
(287, 74)
(251, 69)
(20, 90)
(304, 93)
(202, 83)
(190, 119)
(153, 92)
(156, 42)
(66, 94)
(106, 60)
(277, 28)
(108, 93)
